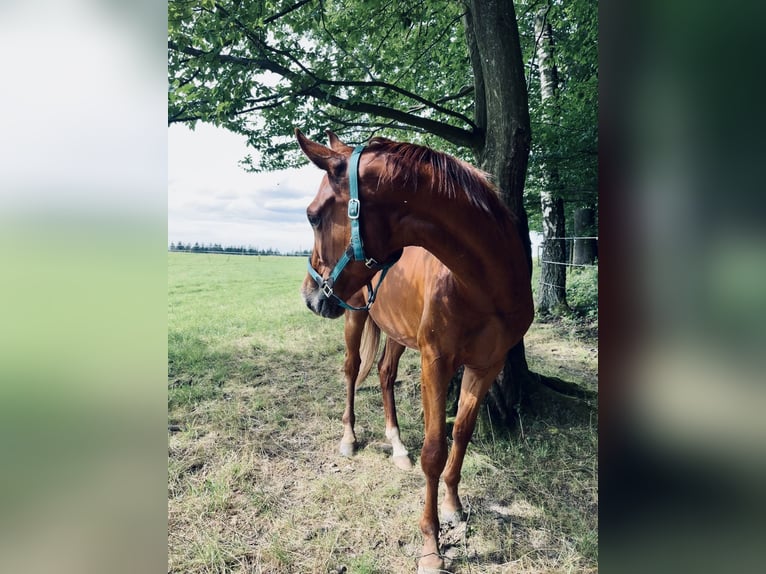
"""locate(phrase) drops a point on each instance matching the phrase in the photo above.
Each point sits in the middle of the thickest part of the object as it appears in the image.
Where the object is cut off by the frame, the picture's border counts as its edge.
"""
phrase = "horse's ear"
(335, 142)
(333, 162)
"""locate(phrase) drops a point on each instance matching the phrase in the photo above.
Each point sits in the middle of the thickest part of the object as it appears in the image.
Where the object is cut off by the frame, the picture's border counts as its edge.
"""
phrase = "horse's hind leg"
(435, 376)
(473, 388)
(388, 367)
(354, 325)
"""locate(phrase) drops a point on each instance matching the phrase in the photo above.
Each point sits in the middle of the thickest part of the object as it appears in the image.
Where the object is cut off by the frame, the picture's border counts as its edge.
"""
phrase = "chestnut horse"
(468, 304)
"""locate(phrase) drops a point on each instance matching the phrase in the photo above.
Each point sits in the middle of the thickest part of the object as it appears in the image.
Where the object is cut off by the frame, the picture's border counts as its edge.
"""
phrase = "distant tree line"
(232, 249)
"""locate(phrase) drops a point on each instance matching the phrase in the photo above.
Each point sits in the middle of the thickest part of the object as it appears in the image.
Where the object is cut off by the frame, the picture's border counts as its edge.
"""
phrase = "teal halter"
(355, 250)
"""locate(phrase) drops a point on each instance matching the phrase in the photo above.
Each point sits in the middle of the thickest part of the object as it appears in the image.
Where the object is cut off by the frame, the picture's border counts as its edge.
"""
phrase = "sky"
(211, 199)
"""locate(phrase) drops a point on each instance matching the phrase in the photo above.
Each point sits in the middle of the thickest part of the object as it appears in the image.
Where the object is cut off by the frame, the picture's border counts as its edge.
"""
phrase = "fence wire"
(569, 254)
(567, 264)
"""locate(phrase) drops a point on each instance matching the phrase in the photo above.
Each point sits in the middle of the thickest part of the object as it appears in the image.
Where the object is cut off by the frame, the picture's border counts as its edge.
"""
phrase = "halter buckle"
(327, 290)
(353, 208)
(370, 263)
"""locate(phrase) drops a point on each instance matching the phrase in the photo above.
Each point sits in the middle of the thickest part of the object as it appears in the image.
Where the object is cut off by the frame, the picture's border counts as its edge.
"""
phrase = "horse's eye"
(314, 219)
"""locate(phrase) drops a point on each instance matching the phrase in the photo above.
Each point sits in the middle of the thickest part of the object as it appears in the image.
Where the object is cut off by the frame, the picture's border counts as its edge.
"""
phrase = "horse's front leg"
(388, 367)
(354, 325)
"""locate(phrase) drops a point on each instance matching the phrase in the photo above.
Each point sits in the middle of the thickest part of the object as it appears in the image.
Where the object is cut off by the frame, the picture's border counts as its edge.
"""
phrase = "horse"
(467, 303)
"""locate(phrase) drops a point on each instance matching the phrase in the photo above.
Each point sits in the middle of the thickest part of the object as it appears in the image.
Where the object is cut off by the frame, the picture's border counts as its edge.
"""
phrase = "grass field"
(255, 483)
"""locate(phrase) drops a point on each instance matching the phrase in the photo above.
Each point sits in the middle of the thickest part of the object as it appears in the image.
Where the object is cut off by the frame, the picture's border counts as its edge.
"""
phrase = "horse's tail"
(368, 349)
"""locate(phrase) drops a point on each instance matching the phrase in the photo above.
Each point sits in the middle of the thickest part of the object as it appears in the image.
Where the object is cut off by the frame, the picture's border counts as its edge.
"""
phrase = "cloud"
(211, 199)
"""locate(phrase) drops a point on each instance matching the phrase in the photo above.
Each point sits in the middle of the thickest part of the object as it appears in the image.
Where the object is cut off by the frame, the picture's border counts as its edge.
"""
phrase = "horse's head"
(341, 263)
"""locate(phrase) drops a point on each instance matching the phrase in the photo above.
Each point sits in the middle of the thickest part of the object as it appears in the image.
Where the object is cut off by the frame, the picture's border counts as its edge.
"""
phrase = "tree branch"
(372, 83)
(183, 82)
(178, 118)
(464, 91)
(391, 125)
(259, 43)
(229, 59)
(286, 11)
(455, 135)
(402, 92)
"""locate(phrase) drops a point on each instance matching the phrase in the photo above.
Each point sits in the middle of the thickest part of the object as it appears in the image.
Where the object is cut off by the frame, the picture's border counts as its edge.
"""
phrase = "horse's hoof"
(452, 517)
(402, 461)
(431, 565)
(347, 449)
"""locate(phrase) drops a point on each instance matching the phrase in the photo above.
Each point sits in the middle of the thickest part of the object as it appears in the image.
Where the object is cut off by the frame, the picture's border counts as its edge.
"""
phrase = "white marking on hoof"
(399, 449)
(402, 462)
(347, 449)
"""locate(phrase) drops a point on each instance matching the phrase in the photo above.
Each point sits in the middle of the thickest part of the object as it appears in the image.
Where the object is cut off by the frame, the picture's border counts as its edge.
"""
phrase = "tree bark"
(552, 290)
(584, 226)
(552, 299)
(502, 109)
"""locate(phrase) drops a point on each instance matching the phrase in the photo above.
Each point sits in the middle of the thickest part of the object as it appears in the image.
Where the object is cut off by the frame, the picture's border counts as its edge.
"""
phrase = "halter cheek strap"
(355, 250)
(353, 203)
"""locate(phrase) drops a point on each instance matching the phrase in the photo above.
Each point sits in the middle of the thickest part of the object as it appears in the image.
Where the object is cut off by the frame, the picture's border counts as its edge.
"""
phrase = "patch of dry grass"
(255, 483)
(554, 351)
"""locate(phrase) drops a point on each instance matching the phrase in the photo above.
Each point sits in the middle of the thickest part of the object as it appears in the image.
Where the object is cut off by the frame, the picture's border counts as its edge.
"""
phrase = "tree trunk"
(502, 117)
(552, 297)
(502, 114)
(501, 109)
(552, 291)
(584, 226)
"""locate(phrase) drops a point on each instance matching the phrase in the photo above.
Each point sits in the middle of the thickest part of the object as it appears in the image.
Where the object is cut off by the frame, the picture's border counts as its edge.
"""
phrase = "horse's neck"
(487, 262)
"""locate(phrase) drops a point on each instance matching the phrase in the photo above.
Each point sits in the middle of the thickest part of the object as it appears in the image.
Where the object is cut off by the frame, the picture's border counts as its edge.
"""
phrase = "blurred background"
(683, 298)
(82, 289)
(83, 210)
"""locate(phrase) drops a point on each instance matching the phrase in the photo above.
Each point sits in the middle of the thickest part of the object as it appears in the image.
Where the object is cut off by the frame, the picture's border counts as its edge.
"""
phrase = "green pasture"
(255, 484)
(230, 316)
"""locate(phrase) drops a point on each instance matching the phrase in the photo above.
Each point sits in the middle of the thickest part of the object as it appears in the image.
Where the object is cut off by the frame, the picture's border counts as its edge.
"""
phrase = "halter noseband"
(355, 250)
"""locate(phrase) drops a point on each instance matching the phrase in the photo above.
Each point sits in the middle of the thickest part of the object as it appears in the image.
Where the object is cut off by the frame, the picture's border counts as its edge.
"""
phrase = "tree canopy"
(364, 67)
(260, 68)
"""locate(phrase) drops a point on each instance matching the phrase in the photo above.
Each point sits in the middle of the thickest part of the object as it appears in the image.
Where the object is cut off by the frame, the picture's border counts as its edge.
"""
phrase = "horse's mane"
(451, 176)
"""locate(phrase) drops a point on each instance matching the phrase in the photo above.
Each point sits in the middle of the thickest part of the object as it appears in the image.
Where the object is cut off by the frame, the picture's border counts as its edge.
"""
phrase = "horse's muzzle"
(320, 304)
